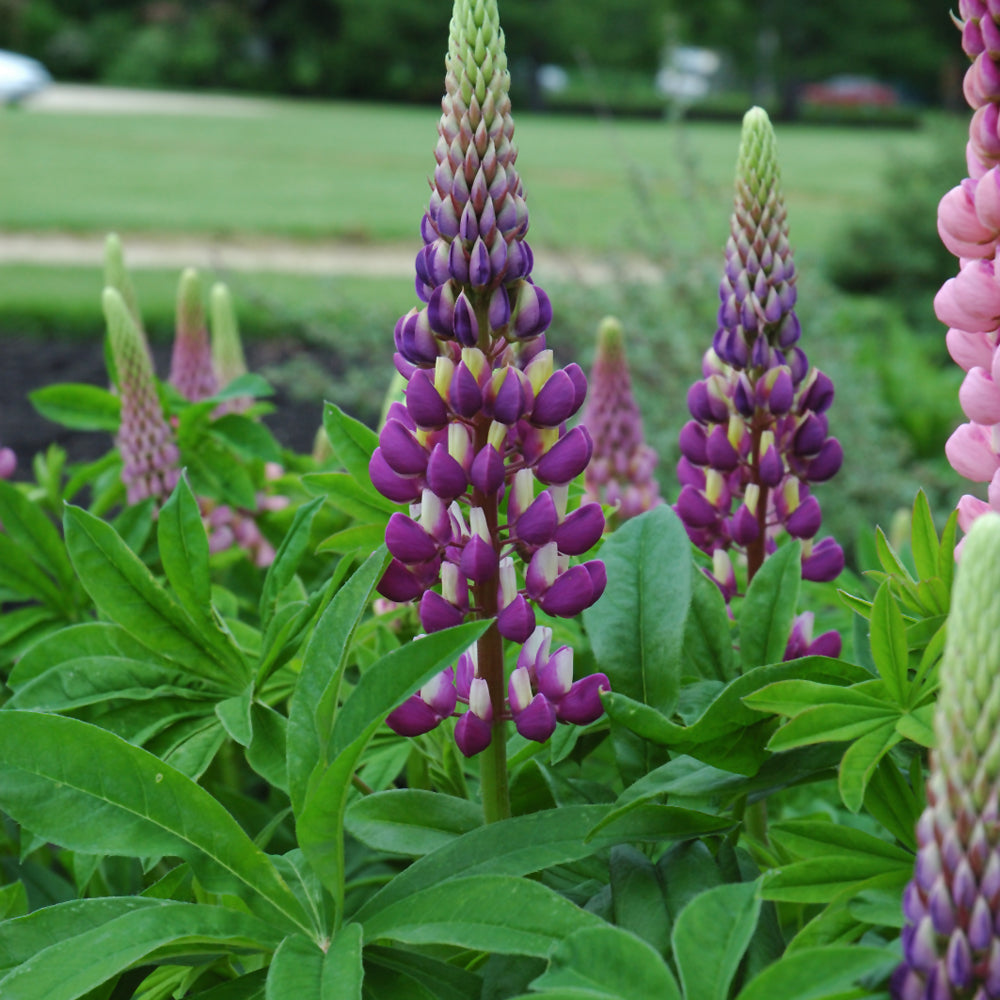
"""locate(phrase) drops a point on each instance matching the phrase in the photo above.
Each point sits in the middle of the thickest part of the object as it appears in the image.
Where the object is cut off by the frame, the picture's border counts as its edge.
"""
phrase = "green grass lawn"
(328, 170)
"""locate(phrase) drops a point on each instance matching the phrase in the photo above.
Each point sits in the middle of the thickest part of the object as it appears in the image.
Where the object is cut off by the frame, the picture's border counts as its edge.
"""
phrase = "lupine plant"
(759, 435)
(485, 422)
(620, 473)
(222, 780)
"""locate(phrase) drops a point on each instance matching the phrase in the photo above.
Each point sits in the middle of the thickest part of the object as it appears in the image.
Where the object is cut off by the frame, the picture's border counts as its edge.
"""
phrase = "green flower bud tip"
(191, 371)
(228, 360)
(116, 276)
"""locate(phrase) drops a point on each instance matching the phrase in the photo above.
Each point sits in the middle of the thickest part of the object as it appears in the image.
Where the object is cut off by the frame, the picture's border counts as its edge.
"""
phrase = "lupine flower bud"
(951, 940)
(484, 413)
(145, 440)
(969, 226)
(621, 472)
(228, 361)
(759, 434)
(8, 463)
(191, 371)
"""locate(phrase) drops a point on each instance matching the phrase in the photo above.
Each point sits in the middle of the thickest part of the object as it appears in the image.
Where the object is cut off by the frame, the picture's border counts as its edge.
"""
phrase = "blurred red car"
(851, 91)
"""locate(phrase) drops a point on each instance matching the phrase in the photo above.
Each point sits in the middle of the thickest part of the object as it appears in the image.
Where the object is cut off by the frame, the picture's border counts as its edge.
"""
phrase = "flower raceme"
(969, 226)
(951, 939)
(621, 471)
(480, 449)
(758, 437)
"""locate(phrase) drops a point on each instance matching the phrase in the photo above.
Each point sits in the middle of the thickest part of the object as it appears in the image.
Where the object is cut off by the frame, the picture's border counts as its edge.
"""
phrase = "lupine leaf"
(637, 628)
(768, 609)
(25, 578)
(13, 900)
(708, 643)
(411, 821)
(917, 726)
(73, 966)
(888, 642)
(124, 590)
(286, 562)
(126, 801)
(710, 936)
(25, 523)
(250, 986)
(352, 442)
(891, 800)
(302, 970)
(946, 553)
(247, 437)
(183, 548)
(78, 406)
(606, 962)
(448, 981)
(831, 724)
(363, 537)
(637, 897)
(890, 561)
(494, 913)
(794, 696)
(819, 973)
(234, 714)
(860, 760)
(923, 538)
(310, 719)
(356, 498)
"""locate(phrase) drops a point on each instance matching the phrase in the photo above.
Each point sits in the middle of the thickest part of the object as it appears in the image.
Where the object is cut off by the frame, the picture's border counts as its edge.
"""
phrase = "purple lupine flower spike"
(484, 420)
(621, 471)
(969, 226)
(759, 435)
(145, 439)
(191, 371)
(951, 939)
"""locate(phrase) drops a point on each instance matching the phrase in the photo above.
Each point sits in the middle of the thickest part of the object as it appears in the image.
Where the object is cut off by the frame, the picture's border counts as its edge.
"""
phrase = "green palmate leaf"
(92, 680)
(888, 644)
(247, 384)
(247, 987)
(286, 562)
(303, 971)
(213, 469)
(918, 726)
(356, 498)
(34, 533)
(384, 685)
(75, 965)
(234, 714)
(531, 843)
(267, 753)
(831, 723)
(946, 552)
(637, 627)
(637, 897)
(125, 591)
(444, 980)
(607, 962)
(411, 821)
(860, 760)
(819, 973)
(924, 539)
(892, 802)
(494, 913)
(768, 609)
(78, 406)
(714, 736)
(126, 801)
(25, 578)
(890, 561)
(247, 437)
(710, 936)
(708, 644)
(310, 720)
(13, 900)
(359, 537)
(791, 697)
(183, 548)
(352, 442)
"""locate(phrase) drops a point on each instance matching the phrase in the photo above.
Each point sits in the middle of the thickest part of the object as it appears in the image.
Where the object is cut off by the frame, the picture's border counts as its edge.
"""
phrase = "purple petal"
(517, 621)
(745, 527)
(820, 394)
(533, 312)
(413, 718)
(466, 324)
(464, 394)
(555, 401)
(508, 406)
(445, 476)
(480, 271)
(402, 452)
(487, 472)
(579, 380)
(537, 721)
(694, 508)
(805, 520)
(567, 458)
(569, 593)
(498, 312)
(810, 435)
(582, 705)
(479, 560)
(581, 530)
(472, 734)
(389, 483)
(408, 541)
(772, 468)
(538, 523)
(721, 454)
(424, 402)
(399, 584)
(828, 462)
(441, 310)
(436, 613)
(693, 443)
(824, 563)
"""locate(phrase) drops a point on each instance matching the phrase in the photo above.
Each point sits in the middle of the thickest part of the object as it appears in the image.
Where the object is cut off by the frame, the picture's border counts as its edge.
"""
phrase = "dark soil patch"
(29, 363)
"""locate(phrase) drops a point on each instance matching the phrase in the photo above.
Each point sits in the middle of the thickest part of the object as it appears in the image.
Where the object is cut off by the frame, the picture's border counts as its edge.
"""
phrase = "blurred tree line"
(384, 49)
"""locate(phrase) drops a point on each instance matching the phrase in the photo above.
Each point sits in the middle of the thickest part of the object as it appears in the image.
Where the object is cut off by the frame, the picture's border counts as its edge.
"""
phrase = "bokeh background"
(284, 146)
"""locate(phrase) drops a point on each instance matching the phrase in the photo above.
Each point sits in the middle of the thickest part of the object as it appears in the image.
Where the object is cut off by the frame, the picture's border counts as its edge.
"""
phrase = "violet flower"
(758, 438)
(969, 226)
(8, 462)
(621, 472)
(144, 439)
(480, 448)
(191, 370)
(951, 940)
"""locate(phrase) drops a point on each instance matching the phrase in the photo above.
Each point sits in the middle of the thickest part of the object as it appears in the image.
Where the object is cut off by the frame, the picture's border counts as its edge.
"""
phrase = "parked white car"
(20, 77)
